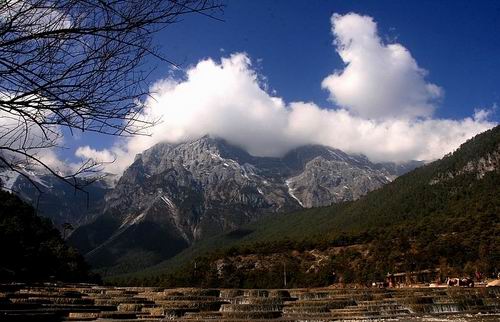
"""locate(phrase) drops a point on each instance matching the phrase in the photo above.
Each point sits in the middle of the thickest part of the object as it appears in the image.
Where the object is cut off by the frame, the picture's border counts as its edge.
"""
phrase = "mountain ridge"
(197, 189)
(413, 223)
(52, 197)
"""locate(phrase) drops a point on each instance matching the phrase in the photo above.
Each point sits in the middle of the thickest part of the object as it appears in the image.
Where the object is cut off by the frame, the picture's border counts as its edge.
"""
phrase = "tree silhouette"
(67, 227)
(77, 65)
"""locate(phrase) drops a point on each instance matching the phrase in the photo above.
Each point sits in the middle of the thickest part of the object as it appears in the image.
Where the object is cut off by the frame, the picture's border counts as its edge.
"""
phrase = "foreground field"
(96, 303)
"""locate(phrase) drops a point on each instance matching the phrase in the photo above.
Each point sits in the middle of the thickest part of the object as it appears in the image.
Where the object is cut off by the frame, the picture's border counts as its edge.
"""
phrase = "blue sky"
(290, 44)
(458, 42)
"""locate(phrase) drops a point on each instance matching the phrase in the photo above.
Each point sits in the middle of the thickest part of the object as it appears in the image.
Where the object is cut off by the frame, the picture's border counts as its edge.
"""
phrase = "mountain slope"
(58, 201)
(460, 183)
(445, 214)
(175, 195)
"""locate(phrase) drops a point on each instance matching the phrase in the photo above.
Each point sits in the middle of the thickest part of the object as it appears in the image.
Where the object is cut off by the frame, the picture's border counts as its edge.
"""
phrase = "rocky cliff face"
(197, 189)
(327, 181)
(479, 167)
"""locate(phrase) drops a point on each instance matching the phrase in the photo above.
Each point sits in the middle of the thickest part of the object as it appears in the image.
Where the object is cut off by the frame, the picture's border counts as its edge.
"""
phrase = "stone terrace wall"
(96, 303)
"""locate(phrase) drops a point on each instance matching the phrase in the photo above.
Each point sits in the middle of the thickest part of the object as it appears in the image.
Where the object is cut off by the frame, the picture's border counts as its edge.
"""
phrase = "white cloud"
(482, 114)
(228, 99)
(389, 140)
(23, 140)
(379, 81)
(86, 152)
(35, 17)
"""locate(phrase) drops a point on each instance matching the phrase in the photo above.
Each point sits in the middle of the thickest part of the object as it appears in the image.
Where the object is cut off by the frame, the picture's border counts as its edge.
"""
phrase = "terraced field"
(97, 303)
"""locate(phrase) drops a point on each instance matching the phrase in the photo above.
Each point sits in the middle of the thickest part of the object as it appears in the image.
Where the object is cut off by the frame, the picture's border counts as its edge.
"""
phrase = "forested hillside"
(443, 215)
(175, 195)
(32, 249)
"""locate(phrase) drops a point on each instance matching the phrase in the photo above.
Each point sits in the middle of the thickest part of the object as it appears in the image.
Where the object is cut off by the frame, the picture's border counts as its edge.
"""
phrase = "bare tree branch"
(79, 65)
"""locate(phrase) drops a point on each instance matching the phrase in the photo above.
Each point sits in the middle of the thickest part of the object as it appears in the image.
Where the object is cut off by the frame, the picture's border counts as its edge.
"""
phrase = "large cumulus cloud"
(379, 80)
(383, 106)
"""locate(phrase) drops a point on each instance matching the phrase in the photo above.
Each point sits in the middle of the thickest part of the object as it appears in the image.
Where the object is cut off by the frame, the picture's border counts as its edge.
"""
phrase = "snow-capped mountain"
(175, 194)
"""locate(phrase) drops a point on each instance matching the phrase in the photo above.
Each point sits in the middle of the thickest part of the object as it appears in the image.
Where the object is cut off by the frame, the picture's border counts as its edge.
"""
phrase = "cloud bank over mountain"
(383, 106)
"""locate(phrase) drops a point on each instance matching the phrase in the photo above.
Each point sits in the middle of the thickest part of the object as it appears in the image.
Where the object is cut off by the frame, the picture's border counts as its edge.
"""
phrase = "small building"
(415, 277)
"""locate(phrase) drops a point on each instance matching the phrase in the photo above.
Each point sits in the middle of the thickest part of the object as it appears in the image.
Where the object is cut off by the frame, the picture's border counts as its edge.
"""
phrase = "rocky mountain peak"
(193, 190)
